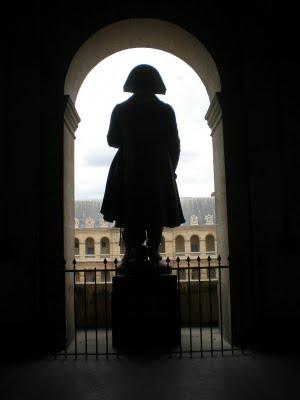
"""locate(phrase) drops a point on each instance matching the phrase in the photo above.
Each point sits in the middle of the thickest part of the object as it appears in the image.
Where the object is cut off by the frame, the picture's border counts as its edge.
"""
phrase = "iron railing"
(204, 308)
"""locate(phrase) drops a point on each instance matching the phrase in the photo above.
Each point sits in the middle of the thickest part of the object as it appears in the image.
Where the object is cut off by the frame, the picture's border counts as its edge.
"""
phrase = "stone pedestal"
(145, 311)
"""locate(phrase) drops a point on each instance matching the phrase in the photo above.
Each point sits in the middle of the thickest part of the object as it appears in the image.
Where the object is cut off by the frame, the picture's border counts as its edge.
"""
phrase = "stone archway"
(166, 36)
(142, 32)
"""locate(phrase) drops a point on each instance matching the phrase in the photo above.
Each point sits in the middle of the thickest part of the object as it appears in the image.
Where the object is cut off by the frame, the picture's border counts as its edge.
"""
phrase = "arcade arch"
(162, 35)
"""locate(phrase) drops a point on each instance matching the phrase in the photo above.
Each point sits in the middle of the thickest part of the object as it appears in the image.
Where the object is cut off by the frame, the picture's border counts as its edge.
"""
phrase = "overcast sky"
(103, 89)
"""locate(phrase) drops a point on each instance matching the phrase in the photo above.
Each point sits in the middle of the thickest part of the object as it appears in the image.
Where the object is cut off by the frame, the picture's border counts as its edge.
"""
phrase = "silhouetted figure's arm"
(173, 138)
(114, 136)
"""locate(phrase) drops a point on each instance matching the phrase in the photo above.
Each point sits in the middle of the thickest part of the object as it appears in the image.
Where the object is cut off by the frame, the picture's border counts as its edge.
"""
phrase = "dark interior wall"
(255, 60)
(269, 178)
(21, 175)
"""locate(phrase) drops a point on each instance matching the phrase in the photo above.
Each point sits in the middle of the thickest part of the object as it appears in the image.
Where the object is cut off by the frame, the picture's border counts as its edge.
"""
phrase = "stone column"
(169, 245)
(71, 121)
(215, 122)
(114, 244)
(97, 247)
(202, 246)
(187, 247)
(82, 249)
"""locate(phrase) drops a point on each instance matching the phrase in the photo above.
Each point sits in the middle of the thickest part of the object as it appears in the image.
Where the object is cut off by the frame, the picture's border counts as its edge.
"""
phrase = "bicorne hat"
(144, 78)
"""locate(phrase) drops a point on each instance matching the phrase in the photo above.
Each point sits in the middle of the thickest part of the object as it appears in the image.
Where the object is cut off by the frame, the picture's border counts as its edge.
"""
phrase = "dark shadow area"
(259, 377)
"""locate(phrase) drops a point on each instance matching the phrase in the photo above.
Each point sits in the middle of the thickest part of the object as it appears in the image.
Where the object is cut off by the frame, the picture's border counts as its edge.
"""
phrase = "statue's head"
(146, 79)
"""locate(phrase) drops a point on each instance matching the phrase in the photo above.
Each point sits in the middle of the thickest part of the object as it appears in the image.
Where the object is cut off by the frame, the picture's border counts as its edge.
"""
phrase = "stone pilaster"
(71, 121)
(214, 113)
(214, 119)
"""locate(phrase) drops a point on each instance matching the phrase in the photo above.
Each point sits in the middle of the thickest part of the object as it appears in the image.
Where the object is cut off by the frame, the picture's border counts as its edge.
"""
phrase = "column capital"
(71, 116)
(213, 115)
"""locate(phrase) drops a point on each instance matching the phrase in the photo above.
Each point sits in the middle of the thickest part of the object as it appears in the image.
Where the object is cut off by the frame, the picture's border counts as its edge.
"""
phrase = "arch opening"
(195, 244)
(76, 247)
(210, 244)
(90, 247)
(102, 89)
(166, 36)
(162, 35)
(104, 246)
(179, 245)
(142, 32)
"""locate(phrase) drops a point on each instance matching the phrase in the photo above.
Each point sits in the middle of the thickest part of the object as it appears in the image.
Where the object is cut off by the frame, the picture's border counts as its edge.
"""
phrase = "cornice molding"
(71, 117)
(214, 113)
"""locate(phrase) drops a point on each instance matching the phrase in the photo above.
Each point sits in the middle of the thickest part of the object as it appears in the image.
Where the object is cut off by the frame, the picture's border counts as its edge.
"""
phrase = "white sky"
(103, 89)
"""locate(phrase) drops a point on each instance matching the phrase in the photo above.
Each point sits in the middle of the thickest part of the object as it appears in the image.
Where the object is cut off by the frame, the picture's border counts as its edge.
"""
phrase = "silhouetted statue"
(141, 193)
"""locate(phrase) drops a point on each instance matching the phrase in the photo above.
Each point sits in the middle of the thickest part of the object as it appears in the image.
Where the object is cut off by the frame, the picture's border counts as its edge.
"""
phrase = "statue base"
(145, 309)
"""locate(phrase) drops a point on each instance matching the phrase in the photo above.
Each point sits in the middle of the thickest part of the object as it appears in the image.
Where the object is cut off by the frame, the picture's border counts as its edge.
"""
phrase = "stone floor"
(259, 377)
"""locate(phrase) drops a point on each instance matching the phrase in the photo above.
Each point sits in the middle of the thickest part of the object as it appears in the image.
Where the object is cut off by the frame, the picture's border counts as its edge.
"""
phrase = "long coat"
(141, 186)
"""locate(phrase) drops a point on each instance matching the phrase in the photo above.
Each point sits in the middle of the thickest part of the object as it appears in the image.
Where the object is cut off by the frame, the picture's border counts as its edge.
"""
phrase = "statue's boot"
(156, 259)
(134, 254)
(129, 256)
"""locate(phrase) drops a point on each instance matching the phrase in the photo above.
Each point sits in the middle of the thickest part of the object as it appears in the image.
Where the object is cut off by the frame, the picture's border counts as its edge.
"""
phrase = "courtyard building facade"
(98, 244)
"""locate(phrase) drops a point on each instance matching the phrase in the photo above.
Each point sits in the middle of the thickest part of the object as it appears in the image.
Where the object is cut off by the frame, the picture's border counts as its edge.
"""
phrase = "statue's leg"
(133, 236)
(154, 233)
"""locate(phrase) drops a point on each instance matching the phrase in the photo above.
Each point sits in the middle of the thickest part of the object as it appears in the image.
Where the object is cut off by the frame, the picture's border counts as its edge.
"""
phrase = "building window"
(162, 246)
(195, 244)
(76, 247)
(89, 247)
(210, 244)
(213, 273)
(182, 274)
(89, 276)
(89, 223)
(107, 273)
(194, 220)
(209, 219)
(179, 245)
(195, 274)
(104, 246)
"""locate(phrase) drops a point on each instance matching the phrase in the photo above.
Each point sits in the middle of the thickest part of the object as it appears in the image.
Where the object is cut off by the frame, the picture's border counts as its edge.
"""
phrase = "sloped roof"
(198, 206)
